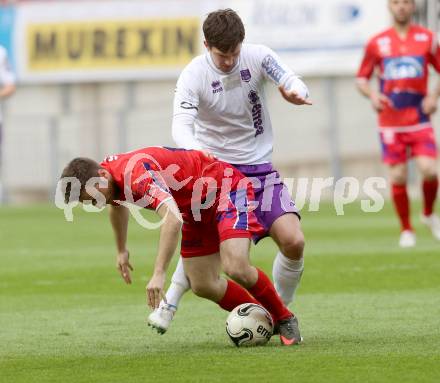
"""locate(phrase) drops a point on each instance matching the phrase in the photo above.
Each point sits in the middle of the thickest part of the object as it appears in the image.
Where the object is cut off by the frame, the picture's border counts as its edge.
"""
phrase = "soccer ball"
(249, 325)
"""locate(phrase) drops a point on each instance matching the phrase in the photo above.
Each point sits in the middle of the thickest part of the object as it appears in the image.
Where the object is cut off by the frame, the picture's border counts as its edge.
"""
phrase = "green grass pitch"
(369, 311)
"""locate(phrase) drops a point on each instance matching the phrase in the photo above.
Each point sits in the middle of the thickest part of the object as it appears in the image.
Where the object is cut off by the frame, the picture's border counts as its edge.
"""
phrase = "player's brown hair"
(223, 29)
(82, 169)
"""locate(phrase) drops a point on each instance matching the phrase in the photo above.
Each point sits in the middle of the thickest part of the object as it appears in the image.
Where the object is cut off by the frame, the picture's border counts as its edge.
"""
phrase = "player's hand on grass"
(123, 265)
(155, 291)
(293, 97)
(380, 101)
(429, 104)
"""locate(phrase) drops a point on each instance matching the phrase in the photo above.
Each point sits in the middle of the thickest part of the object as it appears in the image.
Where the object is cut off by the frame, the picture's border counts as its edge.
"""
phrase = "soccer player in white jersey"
(220, 107)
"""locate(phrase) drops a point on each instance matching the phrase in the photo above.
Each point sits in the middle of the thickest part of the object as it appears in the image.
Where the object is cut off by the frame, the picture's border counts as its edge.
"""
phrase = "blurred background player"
(165, 180)
(7, 88)
(220, 107)
(401, 55)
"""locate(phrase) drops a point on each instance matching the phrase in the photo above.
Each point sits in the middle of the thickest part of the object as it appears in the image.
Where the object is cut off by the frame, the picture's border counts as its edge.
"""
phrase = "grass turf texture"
(369, 311)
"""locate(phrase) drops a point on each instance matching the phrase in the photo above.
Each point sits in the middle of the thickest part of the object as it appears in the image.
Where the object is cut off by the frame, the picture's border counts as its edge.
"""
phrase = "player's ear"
(104, 173)
(205, 44)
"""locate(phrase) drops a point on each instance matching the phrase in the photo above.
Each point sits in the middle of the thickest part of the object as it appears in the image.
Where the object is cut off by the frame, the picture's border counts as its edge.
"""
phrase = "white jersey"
(226, 113)
(6, 75)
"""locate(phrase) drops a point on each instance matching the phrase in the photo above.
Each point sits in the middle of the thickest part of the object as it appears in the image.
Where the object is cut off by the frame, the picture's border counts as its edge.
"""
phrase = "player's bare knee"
(240, 272)
(398, 179)
(293, 246)
(429, 172)
(243, 277)
(398, 175)
(203, 289)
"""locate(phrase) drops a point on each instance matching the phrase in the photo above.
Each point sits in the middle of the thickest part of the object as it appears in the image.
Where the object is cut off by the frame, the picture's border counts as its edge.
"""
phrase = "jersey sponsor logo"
(272, 68)
(188, 105)
(216, 87)
(404, 67)
(422, 37)
(257, 119)
(245, 75)
(253, 97)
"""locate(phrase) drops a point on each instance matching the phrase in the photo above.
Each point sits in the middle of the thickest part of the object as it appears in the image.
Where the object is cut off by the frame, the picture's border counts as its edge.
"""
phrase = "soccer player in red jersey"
(212, 199)
(401, 56)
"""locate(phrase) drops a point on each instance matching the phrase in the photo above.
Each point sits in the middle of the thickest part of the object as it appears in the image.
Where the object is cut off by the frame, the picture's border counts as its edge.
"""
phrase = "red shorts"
(232, 219)
(398, 147)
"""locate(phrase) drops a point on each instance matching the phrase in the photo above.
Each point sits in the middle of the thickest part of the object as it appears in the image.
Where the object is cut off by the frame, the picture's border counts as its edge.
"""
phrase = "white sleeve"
(186, 108)
(280, 74)
(183, 131)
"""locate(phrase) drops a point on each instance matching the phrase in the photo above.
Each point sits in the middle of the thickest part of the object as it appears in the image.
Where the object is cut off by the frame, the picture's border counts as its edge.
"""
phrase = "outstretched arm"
(119, 220)
(294, 96)
(291, 87)
(169, 236)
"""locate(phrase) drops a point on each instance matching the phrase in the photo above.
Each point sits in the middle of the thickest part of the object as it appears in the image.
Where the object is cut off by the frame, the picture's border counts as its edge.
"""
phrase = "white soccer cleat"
(433, 222)
(407, 239)
(160, 319)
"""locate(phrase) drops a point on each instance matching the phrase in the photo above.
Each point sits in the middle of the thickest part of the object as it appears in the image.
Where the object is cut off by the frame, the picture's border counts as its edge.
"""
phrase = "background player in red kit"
(401, 55)
(218, 236)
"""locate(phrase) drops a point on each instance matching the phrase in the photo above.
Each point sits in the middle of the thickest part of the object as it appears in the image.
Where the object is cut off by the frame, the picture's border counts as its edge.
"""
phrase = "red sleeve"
(434, 54)
(369, 61)
(151, 188)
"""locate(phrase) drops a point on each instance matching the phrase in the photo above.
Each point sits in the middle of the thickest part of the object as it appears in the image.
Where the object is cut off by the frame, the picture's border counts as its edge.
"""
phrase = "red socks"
(401, 203)
(235, 295)
(430, 188)
(265, 293)
(262, 292)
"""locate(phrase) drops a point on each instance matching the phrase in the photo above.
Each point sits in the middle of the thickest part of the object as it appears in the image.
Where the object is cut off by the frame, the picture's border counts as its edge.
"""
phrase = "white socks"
(286, 275)
(178, 287)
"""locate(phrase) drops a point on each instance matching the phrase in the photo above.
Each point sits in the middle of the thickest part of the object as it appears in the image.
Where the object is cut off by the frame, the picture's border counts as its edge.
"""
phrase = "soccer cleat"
(407, 239)
(433, 222)
(160, 319)
(289, 331)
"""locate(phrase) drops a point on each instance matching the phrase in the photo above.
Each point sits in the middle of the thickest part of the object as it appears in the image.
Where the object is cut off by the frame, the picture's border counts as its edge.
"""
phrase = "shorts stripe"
(241, 223)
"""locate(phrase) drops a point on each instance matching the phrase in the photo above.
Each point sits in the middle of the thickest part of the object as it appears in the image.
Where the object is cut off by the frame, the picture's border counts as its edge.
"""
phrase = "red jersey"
(402, 68)
(153, 175)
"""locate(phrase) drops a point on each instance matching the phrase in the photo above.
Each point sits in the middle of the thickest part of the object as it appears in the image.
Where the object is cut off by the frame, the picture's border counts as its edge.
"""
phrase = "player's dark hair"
(223, 29)
(82, 169)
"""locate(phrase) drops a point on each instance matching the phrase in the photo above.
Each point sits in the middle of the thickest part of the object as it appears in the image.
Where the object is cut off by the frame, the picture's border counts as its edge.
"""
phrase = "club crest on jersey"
(216, 87)
(397, 68)
(384, 45)
(245, 75)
